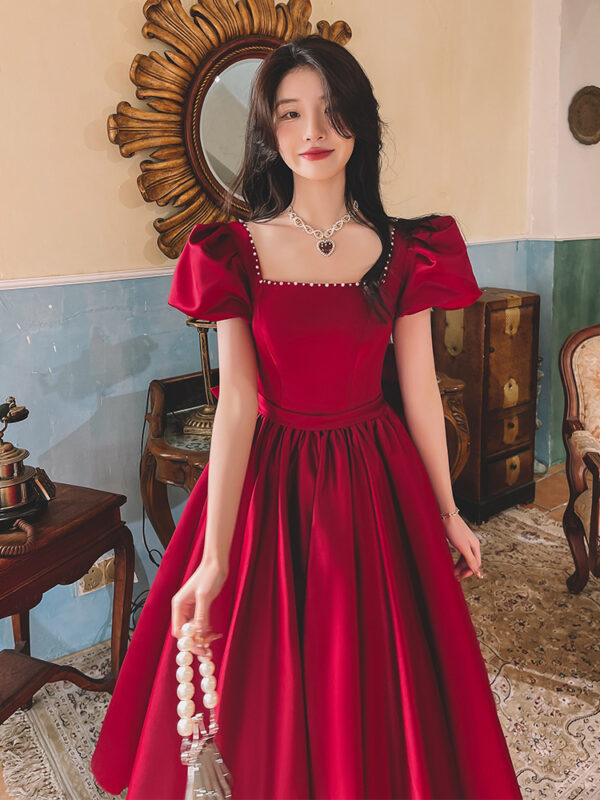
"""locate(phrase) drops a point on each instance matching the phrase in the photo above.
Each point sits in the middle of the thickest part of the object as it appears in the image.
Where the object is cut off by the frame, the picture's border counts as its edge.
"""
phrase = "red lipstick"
(316, 153)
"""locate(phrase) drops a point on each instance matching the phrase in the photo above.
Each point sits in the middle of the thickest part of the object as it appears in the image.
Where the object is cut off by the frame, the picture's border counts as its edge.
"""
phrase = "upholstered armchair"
(580, 374)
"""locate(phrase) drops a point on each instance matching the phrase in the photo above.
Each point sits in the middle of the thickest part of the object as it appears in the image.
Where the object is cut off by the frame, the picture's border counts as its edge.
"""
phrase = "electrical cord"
(138, 602)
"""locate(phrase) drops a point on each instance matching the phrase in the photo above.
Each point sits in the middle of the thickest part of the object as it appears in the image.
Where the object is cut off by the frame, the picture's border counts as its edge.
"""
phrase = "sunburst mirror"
(197, 92)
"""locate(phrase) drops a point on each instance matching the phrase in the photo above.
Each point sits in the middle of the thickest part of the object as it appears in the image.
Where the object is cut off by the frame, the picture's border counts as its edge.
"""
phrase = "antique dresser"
(493, 346)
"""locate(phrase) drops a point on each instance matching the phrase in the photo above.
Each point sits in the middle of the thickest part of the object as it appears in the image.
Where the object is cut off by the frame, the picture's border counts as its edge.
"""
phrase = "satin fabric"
(349, 667)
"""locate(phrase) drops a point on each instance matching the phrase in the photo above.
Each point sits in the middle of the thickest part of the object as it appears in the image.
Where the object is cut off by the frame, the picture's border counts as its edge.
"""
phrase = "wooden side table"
(78, 527)
(171, 457)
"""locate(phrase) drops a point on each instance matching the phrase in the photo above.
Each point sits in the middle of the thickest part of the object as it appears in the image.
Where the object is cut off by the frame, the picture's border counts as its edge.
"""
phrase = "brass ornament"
(201, 45)
(510, 393)
(513, 469)
(511, 430)
(454, 330)
(512, 320)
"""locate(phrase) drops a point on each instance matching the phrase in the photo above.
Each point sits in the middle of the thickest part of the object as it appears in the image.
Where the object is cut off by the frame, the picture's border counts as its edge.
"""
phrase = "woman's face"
(302, 125)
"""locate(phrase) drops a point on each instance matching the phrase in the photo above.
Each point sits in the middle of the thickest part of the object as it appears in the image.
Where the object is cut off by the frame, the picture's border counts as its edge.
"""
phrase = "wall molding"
(92, 277)
(157, 272)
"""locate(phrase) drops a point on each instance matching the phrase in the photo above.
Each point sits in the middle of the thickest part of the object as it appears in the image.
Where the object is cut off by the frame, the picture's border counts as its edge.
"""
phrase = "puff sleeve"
(438, 269)
(210, 281)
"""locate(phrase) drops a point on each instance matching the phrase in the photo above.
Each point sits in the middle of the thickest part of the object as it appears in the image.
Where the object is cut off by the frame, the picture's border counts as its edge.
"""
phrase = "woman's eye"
(287, 113)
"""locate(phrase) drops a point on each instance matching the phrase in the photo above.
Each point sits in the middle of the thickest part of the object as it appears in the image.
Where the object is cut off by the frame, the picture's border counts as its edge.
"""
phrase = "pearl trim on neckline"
(382, 279)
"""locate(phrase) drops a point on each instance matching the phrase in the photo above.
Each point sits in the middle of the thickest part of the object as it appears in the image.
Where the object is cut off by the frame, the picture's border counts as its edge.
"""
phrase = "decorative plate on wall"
(198, 92)
(584, 115)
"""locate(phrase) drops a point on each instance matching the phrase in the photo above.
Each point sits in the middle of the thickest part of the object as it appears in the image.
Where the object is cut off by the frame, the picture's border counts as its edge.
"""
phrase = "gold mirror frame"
(214, 35)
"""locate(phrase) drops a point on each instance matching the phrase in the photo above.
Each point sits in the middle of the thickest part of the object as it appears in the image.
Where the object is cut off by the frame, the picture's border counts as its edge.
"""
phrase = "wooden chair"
(579, 364)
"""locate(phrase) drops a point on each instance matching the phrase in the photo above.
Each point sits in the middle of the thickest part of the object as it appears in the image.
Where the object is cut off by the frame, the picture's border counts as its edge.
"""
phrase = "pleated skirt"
(349, 666)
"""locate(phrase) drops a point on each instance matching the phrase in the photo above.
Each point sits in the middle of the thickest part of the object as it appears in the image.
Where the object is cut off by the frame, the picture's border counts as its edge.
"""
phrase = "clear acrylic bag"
(207, 774)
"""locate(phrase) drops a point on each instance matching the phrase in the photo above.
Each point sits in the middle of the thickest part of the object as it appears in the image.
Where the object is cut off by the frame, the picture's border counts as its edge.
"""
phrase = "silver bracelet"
(447, 514)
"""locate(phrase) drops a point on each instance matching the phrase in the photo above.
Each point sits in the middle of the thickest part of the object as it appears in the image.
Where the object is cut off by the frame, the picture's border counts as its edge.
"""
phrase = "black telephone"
(24, 491)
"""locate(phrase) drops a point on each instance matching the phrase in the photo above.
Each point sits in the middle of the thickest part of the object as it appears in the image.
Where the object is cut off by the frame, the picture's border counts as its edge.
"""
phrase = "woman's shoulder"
(433, 231)
(222, 232)
(224, 240)
(437, 270)
(210, 279)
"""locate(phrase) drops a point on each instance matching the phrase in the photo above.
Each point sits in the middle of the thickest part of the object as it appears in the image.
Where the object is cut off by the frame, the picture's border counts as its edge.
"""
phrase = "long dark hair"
(266, 182)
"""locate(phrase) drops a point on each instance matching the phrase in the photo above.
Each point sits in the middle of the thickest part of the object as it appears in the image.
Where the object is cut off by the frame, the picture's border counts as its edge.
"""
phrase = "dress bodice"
(320, 346)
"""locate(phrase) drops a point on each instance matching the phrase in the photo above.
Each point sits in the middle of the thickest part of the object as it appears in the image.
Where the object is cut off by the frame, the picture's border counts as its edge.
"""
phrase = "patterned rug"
(539, 642)
(45, 752)
(542, 650)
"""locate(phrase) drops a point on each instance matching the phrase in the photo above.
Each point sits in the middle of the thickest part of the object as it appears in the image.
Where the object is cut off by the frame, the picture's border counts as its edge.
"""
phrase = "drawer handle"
(511, 430)
(513, 468)
(511, 393)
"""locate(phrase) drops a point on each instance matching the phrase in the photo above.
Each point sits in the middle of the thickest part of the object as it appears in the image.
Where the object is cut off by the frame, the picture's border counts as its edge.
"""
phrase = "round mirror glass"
(223, 119)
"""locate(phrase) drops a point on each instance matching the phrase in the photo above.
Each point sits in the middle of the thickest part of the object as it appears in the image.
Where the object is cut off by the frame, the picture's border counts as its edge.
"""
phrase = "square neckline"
(272, 282)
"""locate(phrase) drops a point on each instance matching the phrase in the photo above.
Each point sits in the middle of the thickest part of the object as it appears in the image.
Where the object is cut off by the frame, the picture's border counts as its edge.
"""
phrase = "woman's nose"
(316, 126)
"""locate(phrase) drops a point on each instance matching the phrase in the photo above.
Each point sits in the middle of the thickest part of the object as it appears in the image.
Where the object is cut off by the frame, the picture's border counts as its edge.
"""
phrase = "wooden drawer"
(507, 432)
(509, 472)
(511, 355)
(492, 345)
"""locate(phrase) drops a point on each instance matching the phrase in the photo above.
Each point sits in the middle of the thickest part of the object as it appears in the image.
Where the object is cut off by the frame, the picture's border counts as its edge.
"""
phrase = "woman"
(316, 543)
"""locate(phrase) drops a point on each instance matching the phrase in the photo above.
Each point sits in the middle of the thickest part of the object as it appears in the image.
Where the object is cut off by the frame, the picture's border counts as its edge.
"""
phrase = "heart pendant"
(326, 247)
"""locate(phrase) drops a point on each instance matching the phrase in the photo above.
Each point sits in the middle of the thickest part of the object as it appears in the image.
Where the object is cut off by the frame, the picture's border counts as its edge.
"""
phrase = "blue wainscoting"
(80, 357)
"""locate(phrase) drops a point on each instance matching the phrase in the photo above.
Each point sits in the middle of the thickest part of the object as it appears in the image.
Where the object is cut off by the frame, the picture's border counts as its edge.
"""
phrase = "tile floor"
(552, 492)
(551, 496)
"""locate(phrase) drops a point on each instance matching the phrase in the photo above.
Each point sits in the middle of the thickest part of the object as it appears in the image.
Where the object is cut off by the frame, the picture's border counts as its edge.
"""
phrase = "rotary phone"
(24, 491)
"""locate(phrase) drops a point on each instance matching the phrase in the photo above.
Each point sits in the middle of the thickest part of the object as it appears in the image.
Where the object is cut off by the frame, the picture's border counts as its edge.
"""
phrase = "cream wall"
(452, 77)
(544, 119)
(564, 201)
(578, 197)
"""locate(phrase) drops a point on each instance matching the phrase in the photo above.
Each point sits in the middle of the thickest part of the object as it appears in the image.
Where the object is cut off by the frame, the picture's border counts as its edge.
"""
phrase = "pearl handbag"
(207, 775)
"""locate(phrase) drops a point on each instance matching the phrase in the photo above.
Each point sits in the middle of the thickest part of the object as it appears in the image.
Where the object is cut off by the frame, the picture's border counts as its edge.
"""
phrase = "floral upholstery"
(586, 370)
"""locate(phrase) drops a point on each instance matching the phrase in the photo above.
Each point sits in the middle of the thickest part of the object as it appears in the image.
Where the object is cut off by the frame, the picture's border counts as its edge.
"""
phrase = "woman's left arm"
(425, 422)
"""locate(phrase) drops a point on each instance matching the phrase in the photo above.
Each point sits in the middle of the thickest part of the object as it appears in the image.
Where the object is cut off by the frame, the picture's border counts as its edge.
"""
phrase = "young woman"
(317, 542)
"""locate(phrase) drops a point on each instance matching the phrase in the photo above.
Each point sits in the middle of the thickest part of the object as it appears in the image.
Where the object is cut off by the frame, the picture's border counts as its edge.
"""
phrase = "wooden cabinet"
(493, 346)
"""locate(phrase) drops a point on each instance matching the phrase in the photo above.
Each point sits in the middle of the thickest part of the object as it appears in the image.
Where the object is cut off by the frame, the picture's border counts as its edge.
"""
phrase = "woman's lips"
(314, 155)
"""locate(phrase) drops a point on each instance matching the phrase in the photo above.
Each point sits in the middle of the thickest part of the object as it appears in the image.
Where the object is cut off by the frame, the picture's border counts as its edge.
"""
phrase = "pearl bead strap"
(314, 283)
(186, 708)
(208, 777)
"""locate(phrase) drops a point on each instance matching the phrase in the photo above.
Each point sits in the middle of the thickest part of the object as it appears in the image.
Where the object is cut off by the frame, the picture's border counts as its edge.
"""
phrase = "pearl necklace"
(325, 245)
(200, 754)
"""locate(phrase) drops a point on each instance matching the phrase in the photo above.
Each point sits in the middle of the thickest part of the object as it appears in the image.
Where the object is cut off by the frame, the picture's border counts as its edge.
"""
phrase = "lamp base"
(200, 421)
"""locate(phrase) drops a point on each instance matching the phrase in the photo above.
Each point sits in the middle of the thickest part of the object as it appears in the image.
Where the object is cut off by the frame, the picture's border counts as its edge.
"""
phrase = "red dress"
(350, 667)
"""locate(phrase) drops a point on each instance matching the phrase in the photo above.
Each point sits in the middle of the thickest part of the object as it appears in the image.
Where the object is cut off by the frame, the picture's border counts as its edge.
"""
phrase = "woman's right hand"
(193, 600)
